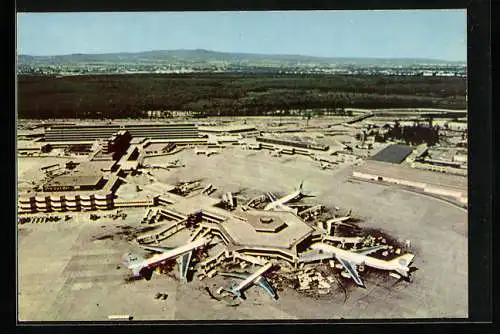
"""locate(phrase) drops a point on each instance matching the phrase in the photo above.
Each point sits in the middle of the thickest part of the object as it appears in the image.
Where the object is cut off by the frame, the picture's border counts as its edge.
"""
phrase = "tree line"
(130, 96)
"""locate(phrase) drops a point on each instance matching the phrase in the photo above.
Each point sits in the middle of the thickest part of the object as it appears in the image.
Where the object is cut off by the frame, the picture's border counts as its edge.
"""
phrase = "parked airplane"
(353, 258)
(278, 207)
(174, 164)
(144, 267)
(279, 204)
(338, 221)
(206, 152)
(183, 261)
(325, 165)
(256, 278)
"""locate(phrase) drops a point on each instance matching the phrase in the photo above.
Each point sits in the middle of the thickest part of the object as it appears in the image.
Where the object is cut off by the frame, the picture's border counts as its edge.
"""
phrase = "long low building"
(293, 143)
(441, 184)
(228, 129)
(93, 132)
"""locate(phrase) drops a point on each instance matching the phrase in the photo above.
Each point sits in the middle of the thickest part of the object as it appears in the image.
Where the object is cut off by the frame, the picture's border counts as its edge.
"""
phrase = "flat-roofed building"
(243, 130)
(25, 147)
(71, 199)
(293, 143)
(74, 182)
(93, 132)
(454, 186)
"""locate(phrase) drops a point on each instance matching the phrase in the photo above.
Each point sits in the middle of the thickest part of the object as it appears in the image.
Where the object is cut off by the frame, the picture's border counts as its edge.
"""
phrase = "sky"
(434, 34)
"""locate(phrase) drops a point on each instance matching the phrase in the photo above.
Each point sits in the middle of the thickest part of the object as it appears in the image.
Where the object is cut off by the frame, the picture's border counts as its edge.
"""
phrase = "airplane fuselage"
(253, 277)
(171, 254)
(360, 259)
(280, 203)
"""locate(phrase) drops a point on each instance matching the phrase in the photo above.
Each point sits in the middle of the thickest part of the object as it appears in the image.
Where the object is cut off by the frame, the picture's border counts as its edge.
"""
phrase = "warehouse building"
(93, 132)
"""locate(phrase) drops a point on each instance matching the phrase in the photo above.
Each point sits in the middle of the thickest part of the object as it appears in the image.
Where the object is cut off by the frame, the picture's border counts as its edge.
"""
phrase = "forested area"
(214, 94)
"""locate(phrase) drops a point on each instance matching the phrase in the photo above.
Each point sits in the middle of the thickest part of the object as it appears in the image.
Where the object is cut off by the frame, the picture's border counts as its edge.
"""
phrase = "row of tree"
(415, 134)
(128, 96)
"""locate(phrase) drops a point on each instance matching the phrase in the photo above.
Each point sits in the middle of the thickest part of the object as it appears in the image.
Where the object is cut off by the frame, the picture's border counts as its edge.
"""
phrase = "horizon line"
(245, 53)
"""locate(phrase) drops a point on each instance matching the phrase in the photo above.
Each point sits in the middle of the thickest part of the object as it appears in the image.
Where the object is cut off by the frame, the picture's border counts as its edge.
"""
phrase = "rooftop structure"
(395, 154)
(249, 230)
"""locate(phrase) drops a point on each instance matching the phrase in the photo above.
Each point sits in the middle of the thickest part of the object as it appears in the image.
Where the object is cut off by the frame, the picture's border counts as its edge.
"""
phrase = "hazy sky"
(437, 34)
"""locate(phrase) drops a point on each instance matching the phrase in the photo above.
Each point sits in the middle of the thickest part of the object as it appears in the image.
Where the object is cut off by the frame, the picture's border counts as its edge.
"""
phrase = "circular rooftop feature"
(266, 220)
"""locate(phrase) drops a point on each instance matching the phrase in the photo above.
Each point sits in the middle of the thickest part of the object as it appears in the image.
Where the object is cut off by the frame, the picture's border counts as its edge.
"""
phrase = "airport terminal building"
(93, 132)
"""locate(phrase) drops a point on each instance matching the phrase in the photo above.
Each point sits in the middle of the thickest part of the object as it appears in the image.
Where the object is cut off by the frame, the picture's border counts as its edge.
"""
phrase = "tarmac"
(65, 274)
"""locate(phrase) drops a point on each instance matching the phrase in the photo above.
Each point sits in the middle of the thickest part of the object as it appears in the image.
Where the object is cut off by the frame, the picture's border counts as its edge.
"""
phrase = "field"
(124, 96)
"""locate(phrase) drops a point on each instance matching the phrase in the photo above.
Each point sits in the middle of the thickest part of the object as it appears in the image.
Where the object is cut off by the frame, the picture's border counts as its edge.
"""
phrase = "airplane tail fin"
(133, 262)
(230, 289)
(403, 262)
(130, 259)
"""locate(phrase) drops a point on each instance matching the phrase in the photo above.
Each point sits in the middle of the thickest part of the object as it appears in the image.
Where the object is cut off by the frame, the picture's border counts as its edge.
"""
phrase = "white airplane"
(206, 152)
(338, 221)
(175, 164)
(183, 261)
(352, 259)
(325, 165)
(256, 278)
(279, 204)
(144, 267)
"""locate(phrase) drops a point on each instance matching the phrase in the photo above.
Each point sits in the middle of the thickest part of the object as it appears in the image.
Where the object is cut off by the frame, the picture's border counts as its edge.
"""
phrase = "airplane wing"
(368, 250)
(351, 269)
(264, 284)
(236, 275)
(261, 281)
(183, 262)
(315, 256)
(271, 197)
(157, 248)
(294, 205)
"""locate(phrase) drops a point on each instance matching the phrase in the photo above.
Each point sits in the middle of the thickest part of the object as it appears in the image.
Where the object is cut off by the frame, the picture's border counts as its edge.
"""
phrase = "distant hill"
(207, 56)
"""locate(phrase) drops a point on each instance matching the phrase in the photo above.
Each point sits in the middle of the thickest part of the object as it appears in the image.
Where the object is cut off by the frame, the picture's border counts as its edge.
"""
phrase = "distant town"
(196, 61)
